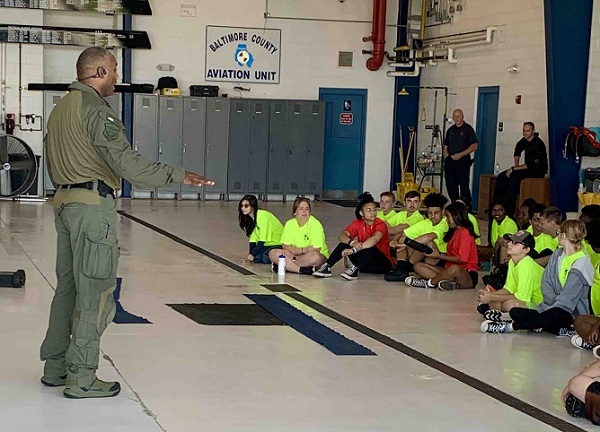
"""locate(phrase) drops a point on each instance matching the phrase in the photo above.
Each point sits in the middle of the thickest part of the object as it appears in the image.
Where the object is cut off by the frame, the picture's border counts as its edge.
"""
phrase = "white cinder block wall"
(308, 58)
(592, 102)
(486, 65)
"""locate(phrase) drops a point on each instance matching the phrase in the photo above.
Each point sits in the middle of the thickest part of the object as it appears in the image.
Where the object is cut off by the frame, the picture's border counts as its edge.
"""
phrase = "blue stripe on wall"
(568, 26)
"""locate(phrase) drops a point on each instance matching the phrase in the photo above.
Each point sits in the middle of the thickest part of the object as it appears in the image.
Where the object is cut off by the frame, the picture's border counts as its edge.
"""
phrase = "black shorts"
(474, 277)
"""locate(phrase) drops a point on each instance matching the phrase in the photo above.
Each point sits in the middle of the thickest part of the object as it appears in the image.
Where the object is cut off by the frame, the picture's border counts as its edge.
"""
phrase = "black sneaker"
(307, 270)
(398, 275)
(482, 308)
(567, 331)
(574, 407)
(274, 268)
(350, 274)
(323, 272)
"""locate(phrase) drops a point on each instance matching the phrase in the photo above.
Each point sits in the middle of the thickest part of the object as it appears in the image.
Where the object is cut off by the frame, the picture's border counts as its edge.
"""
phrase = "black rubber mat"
(227, 314)
(343, 203)
(280, 288)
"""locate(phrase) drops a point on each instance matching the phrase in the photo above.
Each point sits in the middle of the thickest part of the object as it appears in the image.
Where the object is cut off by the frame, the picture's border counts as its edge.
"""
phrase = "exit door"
(343, 164)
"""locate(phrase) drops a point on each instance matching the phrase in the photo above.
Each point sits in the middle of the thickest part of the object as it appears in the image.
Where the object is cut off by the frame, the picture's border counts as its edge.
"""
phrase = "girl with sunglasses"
(261, 227)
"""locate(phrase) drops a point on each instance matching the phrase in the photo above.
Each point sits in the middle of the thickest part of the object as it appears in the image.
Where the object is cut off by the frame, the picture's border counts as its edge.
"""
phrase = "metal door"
(170, 115)
(315, 140)
(296, 151)
(217, 139)
(277, 147)
(258, 147)
(239, 131)
(193, 138)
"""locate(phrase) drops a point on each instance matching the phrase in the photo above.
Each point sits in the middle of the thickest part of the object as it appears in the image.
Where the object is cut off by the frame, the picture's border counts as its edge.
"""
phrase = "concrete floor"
(181, 376)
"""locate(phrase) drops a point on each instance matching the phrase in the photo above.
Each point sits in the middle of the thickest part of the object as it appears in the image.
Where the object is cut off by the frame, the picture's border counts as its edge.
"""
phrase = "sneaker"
(482, 308)
(567, 331)
(274, 268)
(98, 389)
(347, 263)
(596, 351)
(350, 274)
(493, 315)
(323, 272)
(578, 342)
(400, 273)
(54, 381)
(574, 407)
(307, 270)
(448, 285)
(495, 327)
(416, 282)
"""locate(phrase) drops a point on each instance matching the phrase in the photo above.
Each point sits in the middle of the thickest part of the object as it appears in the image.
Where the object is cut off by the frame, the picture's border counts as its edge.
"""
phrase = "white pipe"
(413, 73)
(432, 62)
(487, 38)
(451, 58)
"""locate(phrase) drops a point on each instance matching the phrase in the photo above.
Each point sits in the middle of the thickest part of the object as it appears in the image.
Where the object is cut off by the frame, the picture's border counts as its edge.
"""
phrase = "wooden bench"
(536, 188)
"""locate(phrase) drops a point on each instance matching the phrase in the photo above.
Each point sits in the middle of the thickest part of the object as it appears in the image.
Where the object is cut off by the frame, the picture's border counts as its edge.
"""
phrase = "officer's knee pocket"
(99, 256)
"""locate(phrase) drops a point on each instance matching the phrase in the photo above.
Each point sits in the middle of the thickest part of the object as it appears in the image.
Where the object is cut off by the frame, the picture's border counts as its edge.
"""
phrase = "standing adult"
(535, 166)
(459, 143)
(88, 154)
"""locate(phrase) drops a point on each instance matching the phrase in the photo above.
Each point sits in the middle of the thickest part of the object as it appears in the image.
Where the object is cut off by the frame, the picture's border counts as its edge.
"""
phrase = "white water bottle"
(497, 169)
(281, 265)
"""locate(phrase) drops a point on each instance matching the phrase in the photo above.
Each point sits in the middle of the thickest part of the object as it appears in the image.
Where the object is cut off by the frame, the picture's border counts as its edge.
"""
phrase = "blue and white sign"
(240, 55)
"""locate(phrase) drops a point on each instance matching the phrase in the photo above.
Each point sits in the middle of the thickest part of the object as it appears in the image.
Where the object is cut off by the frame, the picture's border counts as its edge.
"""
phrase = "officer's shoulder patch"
(111, 131)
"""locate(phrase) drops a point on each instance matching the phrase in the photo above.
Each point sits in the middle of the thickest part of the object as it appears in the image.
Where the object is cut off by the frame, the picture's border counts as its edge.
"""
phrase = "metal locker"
(258, 147)
(239, 132)
(217, 143)
(296, 152)
(278, 147)
(145, 131)
(114, 101)
(315, 146)
(170, 115)
(193, 138)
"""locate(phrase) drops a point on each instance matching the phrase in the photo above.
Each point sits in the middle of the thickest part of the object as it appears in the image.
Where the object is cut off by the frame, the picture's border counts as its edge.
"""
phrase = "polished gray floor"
(181, 376)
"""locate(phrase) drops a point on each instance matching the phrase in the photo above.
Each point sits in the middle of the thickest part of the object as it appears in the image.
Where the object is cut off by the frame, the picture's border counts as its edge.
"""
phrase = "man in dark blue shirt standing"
(459, 143)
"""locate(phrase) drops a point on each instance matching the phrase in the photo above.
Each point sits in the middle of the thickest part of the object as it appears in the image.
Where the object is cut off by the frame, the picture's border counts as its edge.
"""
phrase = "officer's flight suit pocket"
(98, 255)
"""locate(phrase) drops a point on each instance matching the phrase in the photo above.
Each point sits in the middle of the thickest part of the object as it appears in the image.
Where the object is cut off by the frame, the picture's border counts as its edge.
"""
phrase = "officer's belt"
(103, 188)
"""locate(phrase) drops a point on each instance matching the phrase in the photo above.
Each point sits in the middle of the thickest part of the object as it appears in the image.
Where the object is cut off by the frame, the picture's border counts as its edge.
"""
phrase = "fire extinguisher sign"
(346, 118)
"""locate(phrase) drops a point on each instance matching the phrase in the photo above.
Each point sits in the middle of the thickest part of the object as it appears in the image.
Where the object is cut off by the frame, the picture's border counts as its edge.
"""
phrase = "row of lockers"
(254, 146)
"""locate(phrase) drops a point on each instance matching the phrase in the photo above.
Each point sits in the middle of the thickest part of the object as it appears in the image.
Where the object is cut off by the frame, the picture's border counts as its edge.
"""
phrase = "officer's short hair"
(90, 59)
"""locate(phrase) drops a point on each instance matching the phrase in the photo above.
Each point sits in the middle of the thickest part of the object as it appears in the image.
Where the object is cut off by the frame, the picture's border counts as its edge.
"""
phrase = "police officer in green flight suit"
(87, 155)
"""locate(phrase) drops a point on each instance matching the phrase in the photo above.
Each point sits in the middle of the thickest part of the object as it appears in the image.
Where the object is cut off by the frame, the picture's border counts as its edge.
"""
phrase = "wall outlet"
(501, 33)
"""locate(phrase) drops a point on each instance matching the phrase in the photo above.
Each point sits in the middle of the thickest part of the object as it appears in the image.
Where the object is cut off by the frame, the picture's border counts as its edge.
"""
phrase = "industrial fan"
(18, 166)
(18, 172)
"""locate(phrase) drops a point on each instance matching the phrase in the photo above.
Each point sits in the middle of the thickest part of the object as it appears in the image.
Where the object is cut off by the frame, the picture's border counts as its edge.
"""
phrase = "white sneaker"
(578, 342)
(416, 282)
(350, 274)
(495, 327)
(596, 351)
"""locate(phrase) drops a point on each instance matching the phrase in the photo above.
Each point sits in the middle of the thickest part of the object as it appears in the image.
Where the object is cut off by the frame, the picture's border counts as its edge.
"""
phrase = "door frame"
(350, 92)
(481, 91)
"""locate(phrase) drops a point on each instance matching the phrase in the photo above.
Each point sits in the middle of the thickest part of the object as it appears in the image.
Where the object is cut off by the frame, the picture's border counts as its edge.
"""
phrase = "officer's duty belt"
(103, 188)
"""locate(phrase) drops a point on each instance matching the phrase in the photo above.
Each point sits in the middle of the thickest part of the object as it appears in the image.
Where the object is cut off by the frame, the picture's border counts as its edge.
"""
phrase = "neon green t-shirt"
(594, 256)
(268, 229)
(390, 218)
(473, 220)
(403, 218)
(427, 227)
(566, 263)
(524, 280)
(545, 241)
(507, 226)
(311, 234)
(595, 290)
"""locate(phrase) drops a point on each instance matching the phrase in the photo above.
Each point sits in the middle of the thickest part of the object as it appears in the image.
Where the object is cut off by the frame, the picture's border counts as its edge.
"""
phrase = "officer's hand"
(191, 178)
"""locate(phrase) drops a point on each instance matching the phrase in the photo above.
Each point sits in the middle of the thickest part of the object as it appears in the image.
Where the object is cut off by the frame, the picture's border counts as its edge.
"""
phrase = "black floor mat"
(343, 203)
(227, 314)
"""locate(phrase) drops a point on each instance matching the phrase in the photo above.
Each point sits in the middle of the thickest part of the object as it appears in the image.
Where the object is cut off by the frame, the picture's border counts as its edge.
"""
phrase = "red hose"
(377, 35)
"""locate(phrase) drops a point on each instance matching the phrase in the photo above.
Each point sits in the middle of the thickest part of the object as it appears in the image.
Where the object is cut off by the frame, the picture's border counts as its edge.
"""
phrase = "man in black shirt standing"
(535, 166)
(459, 143)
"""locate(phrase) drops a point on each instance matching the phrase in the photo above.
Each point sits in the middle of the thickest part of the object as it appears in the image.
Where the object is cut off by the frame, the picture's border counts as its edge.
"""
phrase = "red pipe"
(377, 35)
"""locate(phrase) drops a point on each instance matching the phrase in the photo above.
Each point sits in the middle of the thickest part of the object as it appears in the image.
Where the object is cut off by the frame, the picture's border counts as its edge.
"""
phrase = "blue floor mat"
(308, 326)
(122, 316)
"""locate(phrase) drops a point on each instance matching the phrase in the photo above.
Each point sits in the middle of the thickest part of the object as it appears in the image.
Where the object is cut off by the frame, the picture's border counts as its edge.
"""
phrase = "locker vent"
(258, 108)
(239, 106)
(237, 185)
(146, 102)
(297, 108)
(276, 186)
(194, 105)
(278, 108)
(256, 185)
(312, 186)
(55, 99)
(294, 186)
(170, 104)
(345, 58)
(315, 109)
(218, 105)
